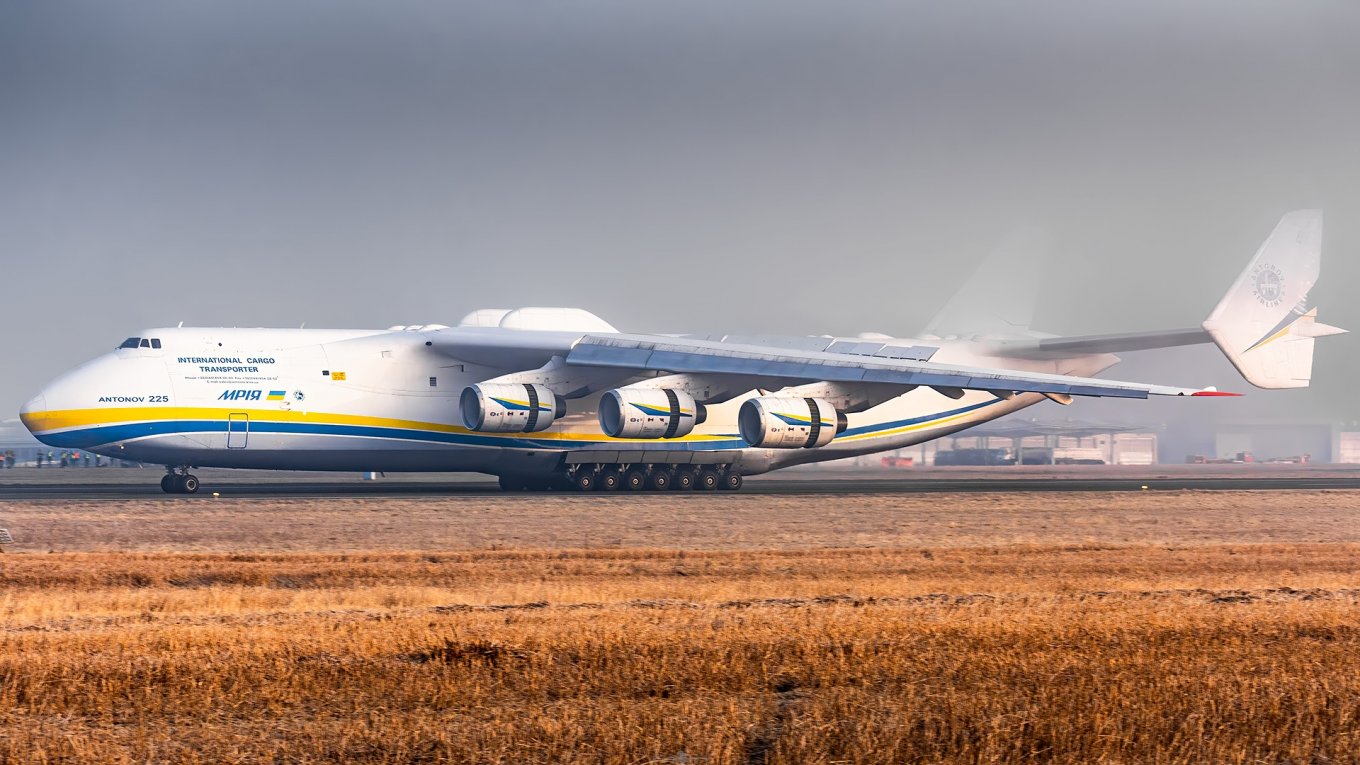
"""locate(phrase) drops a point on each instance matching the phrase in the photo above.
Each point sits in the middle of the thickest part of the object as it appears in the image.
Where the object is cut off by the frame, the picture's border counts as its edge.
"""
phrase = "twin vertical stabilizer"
(1264, 324)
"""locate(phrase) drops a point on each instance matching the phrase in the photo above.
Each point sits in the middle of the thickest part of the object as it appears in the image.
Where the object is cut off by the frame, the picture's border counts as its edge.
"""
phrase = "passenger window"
(155, 342)
(145, 343)
(131, 342)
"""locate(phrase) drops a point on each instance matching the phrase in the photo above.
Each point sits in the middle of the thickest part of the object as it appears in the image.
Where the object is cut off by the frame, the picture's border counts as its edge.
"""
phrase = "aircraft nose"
(30, 412)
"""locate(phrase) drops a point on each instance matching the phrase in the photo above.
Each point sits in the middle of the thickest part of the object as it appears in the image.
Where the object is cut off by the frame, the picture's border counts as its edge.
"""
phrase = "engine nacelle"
(649, 413)
(510, 407)
(771, 422)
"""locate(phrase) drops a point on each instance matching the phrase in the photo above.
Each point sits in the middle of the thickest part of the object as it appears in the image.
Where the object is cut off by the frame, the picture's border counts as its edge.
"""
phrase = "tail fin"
(1263, 325)
(999, 298)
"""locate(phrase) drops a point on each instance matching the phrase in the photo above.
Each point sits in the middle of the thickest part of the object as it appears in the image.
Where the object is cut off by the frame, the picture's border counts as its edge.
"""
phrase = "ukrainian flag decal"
(276, 395)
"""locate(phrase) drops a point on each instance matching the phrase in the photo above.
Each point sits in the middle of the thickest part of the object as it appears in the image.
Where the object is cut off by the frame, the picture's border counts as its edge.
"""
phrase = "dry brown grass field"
(1066, 628)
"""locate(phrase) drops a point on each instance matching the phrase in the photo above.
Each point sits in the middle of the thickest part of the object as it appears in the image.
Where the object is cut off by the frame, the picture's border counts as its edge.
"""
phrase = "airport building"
(1010, 442)
(1277, 440)
(1046, 443)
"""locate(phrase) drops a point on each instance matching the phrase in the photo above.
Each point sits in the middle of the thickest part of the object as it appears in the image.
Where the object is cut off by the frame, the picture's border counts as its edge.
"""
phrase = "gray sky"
(671, 166)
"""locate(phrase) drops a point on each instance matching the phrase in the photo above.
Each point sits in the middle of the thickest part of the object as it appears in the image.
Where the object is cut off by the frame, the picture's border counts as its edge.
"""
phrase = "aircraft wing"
(684, 355)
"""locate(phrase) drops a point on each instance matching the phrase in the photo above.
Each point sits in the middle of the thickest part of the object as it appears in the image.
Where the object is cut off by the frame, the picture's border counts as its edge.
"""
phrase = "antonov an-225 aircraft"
(556, 397)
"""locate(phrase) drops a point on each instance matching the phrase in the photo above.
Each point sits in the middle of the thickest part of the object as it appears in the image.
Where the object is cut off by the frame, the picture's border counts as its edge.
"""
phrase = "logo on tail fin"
(1267, 283)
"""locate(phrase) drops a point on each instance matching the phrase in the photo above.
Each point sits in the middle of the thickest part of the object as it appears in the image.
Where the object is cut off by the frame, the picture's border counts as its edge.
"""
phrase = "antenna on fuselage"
(180, 325)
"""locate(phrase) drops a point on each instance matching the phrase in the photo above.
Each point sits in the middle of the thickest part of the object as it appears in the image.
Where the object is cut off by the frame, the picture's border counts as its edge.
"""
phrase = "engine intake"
(789, 423)
(649, 413)
(510, 407)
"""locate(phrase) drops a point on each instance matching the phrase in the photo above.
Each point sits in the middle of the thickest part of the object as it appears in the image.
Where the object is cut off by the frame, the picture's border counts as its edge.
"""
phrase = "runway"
(759, 486)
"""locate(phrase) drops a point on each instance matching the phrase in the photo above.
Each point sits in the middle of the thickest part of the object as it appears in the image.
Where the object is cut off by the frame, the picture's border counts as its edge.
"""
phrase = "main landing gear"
(179, 481)
(599, 478)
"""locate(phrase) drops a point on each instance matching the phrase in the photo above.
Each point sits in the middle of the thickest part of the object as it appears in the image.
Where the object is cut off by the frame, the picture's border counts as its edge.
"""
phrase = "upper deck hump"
(177, 339)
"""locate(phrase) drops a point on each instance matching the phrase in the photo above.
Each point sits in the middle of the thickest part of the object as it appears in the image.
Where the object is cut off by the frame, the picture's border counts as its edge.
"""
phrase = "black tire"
(583, 481)
(188, 484)
(635, 479)
(708, 480)
(511, 483)
(659, 480)
(609, 480)
(730, 482)
(168, 483)
(684, 480)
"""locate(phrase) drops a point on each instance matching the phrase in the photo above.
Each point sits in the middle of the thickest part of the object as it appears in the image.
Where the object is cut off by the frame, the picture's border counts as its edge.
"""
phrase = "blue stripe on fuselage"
(106, 434)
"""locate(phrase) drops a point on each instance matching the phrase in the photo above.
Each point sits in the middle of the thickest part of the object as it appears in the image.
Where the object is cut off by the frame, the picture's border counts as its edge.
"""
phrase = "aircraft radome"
(556, 397)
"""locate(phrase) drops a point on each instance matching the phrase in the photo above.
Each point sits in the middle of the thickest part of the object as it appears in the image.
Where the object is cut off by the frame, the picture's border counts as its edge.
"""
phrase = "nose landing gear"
(181, 482)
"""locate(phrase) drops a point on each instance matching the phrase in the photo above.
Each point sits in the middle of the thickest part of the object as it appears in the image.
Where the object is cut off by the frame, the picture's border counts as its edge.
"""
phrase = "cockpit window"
(142, 342)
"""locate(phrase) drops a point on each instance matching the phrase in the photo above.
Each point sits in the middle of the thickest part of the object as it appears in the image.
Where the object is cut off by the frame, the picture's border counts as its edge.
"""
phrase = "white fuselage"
(386, 401)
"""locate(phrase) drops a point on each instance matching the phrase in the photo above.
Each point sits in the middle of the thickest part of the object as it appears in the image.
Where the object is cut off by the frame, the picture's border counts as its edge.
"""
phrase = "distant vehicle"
(556, 397)
(1240, 458)
(1296, 459)
(898, 462)
(975, 457)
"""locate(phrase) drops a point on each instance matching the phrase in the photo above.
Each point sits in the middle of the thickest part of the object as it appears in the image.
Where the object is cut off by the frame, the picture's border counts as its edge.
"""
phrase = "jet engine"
(773, 422)
(510, 407)
(649, 413)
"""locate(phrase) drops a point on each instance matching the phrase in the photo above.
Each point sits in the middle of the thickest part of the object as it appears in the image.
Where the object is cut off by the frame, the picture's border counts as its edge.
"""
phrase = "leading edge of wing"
(677, 355)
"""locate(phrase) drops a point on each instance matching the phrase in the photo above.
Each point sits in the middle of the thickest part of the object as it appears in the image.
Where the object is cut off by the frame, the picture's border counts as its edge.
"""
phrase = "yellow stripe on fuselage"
(62, 419)
(65, 419)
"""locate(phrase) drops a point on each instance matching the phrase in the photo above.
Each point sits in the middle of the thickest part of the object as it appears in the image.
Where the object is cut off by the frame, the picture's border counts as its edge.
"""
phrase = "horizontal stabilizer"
(1263, 324)
(1086, 345)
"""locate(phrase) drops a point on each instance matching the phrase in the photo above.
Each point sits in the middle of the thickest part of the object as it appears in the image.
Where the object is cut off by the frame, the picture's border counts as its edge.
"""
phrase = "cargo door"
(238, 430)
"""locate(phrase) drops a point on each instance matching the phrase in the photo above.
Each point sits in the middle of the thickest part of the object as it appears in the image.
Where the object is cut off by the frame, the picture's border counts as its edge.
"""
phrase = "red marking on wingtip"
(1214, 393)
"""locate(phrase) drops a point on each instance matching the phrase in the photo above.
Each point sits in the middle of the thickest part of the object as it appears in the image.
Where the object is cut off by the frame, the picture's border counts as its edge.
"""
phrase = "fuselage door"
(238, 430)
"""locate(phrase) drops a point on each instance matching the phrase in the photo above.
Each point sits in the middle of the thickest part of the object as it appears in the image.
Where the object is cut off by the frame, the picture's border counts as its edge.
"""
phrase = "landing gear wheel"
(511, 483)
(188, 484)
(684, 480)
(660, 480)
(583, 481)
(731, 482)
(635, 479)
(168, 483)
(708, 479)
(609, 480)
